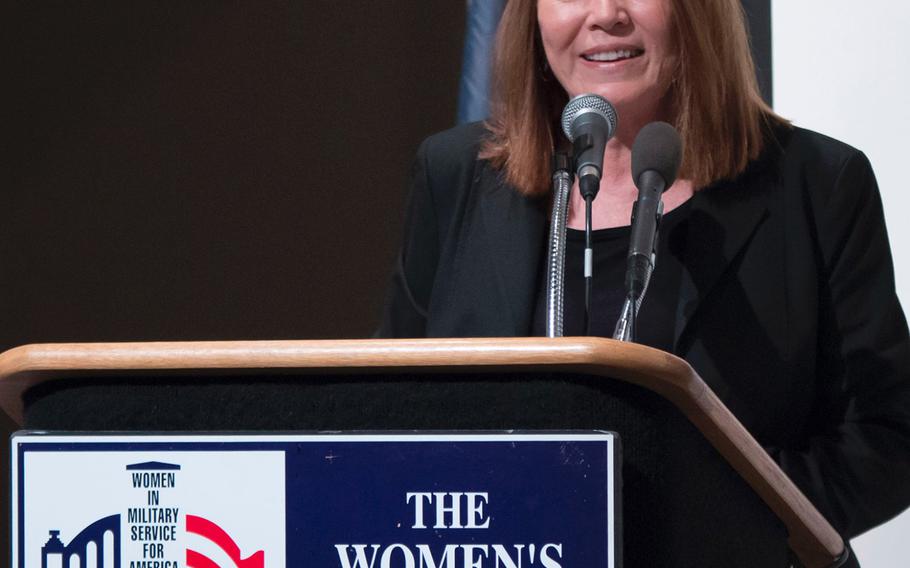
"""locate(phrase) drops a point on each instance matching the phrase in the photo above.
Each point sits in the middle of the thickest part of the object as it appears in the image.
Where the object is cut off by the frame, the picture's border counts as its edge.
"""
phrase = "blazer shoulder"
(454, 148)
(831, 171)
(821, 157)
(461, 137)
(448, 167)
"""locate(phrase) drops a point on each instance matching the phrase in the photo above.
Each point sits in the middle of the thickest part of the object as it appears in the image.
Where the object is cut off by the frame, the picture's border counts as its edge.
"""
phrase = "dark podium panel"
(685, 501)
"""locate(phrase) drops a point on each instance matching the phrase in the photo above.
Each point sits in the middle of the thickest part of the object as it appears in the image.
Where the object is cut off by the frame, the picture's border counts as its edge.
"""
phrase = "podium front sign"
(418, 500)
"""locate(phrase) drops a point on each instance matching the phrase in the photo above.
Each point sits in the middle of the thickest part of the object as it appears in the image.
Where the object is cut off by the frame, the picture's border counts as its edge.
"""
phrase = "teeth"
(613, 55)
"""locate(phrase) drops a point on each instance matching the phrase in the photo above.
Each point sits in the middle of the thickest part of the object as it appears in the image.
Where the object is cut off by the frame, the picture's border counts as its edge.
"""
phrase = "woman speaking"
(774, 277)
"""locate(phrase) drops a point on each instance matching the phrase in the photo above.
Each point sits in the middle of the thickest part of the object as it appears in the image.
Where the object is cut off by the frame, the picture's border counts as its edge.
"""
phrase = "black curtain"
(210, 170)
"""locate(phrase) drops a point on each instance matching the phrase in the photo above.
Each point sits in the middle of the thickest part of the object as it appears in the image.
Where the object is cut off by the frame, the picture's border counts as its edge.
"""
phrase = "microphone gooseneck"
(556, 259)
(656, 156)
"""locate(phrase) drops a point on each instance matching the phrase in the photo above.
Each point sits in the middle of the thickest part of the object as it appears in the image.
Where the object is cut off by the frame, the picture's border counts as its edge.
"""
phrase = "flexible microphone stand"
(556, 259)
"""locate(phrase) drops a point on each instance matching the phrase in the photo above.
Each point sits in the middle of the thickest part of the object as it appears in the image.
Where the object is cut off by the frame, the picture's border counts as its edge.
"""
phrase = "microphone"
(589, 121)
(656, 155)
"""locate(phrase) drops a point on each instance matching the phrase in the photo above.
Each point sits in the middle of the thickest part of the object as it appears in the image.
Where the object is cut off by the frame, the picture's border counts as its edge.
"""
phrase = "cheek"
(668, 59)
(658, 25)
(559, 27)
(559, 24)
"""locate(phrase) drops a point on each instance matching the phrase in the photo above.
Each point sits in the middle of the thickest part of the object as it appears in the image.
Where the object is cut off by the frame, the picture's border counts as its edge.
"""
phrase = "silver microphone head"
(583, 104)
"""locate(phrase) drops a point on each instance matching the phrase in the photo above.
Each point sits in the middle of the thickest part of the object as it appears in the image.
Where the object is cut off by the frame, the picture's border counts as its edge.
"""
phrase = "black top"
(611, 247)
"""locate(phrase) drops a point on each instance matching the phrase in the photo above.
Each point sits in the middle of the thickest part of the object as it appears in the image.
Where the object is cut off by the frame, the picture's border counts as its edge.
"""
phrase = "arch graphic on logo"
(209, 530)
(92, 535)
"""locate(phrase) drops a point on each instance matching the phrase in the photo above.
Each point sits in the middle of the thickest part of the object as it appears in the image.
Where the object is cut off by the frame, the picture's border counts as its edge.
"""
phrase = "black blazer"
(787, 307)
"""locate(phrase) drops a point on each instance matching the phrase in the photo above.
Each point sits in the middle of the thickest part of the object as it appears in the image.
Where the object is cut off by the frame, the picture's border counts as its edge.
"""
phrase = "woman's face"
(619, 49)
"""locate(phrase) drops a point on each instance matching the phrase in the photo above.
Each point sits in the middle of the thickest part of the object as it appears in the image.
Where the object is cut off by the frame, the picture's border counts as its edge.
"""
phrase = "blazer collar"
(723, 219)
(515, 227)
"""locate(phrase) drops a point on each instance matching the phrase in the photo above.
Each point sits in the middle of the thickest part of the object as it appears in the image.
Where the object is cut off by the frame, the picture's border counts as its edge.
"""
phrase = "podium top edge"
(26, 366)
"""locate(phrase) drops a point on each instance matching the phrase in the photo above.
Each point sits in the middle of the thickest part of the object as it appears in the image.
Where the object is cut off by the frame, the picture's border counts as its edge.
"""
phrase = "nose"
(608, 14)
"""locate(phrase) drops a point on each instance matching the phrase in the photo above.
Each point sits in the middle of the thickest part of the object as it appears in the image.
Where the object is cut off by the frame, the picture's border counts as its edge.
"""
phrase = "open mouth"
(614, 55)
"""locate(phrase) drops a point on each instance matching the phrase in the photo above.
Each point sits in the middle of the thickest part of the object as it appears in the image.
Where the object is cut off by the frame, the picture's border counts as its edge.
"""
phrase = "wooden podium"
(738, 497)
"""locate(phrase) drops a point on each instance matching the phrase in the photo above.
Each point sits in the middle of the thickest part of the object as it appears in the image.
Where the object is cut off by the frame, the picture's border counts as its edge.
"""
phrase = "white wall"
(841, 67)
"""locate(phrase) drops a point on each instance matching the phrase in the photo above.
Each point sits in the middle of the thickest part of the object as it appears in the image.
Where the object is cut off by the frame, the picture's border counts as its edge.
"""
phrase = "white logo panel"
(160, 508)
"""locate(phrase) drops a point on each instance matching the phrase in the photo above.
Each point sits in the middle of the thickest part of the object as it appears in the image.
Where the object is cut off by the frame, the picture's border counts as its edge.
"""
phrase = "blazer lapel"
(717, 232)
(514, 226)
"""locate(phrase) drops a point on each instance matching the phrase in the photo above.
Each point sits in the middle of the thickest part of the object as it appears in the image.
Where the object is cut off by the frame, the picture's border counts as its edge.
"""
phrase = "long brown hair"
(714, 95)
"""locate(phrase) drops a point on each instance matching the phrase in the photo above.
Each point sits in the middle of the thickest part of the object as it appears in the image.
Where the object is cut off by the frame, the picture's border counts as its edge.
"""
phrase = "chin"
(645, 105)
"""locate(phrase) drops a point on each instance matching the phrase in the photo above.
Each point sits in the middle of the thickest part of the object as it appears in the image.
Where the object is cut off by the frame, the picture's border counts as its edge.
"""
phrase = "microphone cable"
(589, 263)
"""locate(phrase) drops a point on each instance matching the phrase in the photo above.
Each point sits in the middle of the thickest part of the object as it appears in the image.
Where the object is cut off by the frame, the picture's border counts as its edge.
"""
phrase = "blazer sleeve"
(405, 311)
(856, 465)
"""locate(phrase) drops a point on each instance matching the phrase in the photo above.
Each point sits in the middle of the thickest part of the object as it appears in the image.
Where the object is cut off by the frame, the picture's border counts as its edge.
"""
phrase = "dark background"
(215, 170)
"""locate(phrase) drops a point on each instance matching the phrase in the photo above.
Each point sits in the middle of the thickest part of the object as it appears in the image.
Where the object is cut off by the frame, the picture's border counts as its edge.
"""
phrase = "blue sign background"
(347, 492)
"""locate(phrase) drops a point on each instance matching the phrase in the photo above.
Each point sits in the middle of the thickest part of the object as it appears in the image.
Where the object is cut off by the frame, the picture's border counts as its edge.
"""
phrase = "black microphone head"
(587, 106)
(658, 148)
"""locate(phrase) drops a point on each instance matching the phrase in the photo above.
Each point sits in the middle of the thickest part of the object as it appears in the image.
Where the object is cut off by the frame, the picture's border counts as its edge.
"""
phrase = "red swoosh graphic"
(208, 529)
(197, 560)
